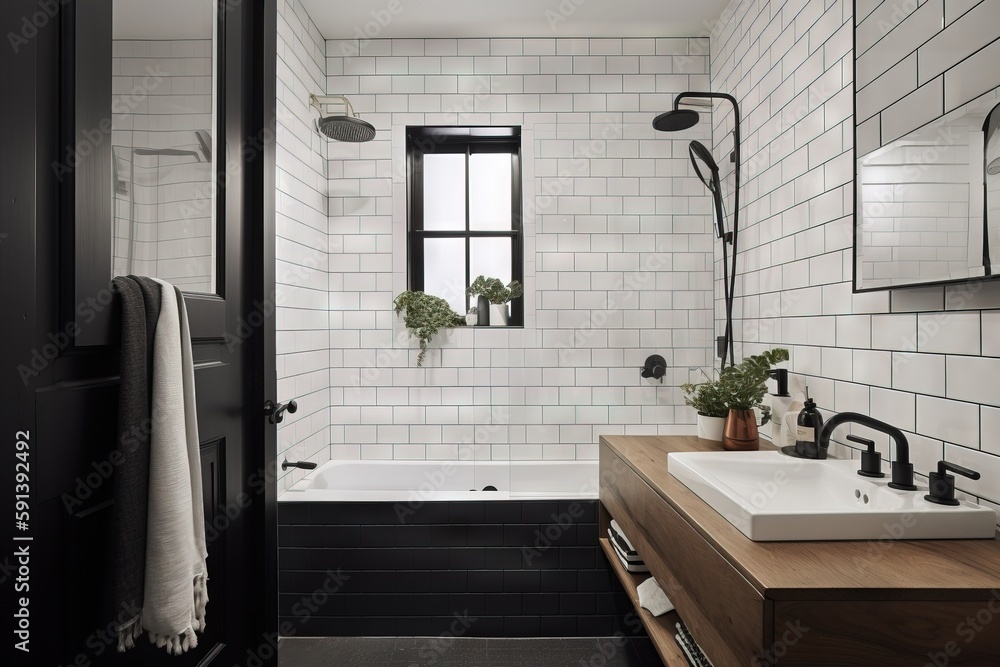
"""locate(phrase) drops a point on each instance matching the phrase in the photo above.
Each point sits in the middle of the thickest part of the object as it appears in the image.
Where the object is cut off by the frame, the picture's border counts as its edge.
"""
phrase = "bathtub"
(409, 481)
(418, 549)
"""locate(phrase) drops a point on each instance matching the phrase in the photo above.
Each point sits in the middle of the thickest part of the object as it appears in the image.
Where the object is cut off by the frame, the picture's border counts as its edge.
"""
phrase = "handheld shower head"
(344, 127)
(697, 151)
(676, 120)
(710, 177)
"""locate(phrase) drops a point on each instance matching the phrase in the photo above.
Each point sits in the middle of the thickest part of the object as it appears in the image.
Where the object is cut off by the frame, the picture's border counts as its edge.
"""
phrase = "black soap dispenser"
(809, 422)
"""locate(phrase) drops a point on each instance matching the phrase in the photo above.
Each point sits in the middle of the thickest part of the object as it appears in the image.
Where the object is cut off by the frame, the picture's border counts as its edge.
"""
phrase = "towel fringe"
(200, 601)
(128, 632)
(175, 644)
(187, 639)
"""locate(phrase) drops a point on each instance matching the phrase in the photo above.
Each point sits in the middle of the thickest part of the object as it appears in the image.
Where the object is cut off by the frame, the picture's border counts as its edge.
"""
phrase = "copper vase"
(740, 432)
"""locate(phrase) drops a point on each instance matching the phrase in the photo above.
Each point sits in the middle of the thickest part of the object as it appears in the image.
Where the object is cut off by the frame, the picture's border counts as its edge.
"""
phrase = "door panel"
(63, 391)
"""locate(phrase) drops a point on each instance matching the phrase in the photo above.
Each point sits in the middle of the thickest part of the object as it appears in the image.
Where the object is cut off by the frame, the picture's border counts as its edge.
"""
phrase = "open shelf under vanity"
(661, 629)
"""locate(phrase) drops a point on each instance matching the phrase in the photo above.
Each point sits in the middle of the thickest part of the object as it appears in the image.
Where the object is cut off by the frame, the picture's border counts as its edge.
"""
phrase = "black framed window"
(464, 211)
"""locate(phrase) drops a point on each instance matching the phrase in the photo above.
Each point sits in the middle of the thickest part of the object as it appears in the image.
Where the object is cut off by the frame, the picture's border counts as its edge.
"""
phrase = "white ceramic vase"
(710, 428)
(499, 316)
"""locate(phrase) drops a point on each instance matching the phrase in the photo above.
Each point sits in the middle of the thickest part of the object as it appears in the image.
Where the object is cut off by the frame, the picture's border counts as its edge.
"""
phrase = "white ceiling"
(352, 19)
(163, 19)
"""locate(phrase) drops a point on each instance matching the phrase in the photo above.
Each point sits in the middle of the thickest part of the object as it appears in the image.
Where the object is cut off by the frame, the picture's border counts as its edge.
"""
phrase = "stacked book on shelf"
(626, 553)
(692, 651)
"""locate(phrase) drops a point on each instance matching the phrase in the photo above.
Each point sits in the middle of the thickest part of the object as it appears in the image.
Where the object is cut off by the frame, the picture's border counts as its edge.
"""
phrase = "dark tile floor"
(465, 652)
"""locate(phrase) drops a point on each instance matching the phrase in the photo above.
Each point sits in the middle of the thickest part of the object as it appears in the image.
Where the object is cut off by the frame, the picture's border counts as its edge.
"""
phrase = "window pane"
(489, 191)
(490, 258)
(444, 191)
(444, 271)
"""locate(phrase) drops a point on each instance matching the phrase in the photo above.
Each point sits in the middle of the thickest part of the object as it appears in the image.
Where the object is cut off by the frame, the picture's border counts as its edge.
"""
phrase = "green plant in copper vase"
(743, 387)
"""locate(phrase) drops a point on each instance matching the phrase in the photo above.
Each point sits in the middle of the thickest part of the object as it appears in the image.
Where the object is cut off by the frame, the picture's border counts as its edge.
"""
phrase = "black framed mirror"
(928, 203)
(926, 146)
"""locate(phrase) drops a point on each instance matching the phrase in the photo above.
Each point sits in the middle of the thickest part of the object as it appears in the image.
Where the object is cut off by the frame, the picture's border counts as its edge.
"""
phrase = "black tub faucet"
(902, 469)
(305, 465)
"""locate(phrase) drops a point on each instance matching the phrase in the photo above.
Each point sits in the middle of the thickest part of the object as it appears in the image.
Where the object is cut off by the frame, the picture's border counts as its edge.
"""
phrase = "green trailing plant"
(743, 384)
(707, 398)
(494, 289)
(424, 315)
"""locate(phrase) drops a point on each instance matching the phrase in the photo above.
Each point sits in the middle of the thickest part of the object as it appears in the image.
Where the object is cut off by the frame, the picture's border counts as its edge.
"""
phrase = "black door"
(59, 349)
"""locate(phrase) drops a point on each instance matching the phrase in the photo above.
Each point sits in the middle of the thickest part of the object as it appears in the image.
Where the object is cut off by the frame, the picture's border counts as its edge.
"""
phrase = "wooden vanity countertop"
(878, 569)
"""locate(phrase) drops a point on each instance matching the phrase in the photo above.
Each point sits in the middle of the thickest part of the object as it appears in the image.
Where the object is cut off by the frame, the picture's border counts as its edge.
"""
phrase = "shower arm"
(319, 100)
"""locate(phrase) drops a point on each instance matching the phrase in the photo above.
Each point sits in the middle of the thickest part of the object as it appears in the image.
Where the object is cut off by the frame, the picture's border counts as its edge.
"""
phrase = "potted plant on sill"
(709, 400)
(744, 388)
(424, 315)
(493, 299)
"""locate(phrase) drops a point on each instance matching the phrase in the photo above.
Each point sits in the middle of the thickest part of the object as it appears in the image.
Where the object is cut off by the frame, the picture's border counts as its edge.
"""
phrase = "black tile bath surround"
(476, 569)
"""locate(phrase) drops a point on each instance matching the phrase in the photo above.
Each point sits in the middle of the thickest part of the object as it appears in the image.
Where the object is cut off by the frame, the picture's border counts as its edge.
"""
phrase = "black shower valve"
(654, 367)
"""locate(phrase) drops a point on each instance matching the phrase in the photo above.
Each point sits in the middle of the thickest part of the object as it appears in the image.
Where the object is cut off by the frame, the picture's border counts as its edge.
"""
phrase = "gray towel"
(140, 311)
(151, 295)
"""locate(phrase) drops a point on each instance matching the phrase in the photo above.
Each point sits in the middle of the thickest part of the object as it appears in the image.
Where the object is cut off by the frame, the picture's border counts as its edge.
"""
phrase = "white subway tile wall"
(302, 245)
(922, 359)
(618, 249)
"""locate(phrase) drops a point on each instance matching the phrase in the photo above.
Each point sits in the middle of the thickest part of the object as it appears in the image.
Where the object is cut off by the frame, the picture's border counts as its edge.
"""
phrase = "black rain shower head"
(676, 120)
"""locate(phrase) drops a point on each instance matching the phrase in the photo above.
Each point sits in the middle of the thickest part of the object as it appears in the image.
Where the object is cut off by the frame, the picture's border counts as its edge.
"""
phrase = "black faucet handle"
(944, 466)
(942, 485)
(862, 441)
(871, 462)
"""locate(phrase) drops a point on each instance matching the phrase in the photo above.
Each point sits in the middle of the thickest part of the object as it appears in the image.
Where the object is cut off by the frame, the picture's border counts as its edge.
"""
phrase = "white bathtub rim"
(517, 480)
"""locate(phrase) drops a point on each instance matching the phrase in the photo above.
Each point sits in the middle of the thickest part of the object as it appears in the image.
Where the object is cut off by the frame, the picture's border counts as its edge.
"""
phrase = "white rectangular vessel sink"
(772, 497)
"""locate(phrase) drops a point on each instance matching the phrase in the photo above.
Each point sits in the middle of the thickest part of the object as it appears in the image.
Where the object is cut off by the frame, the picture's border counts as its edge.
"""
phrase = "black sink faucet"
(902, 469)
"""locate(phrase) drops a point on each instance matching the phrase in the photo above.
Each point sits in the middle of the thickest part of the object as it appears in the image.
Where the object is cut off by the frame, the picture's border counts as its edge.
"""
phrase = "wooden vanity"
(885, 602)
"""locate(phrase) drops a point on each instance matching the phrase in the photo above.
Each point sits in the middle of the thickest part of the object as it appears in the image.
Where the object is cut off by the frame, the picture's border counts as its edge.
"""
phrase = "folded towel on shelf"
(174, 593)
(652, 597)
(630, 563)
(140, 299)
(627, 556)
